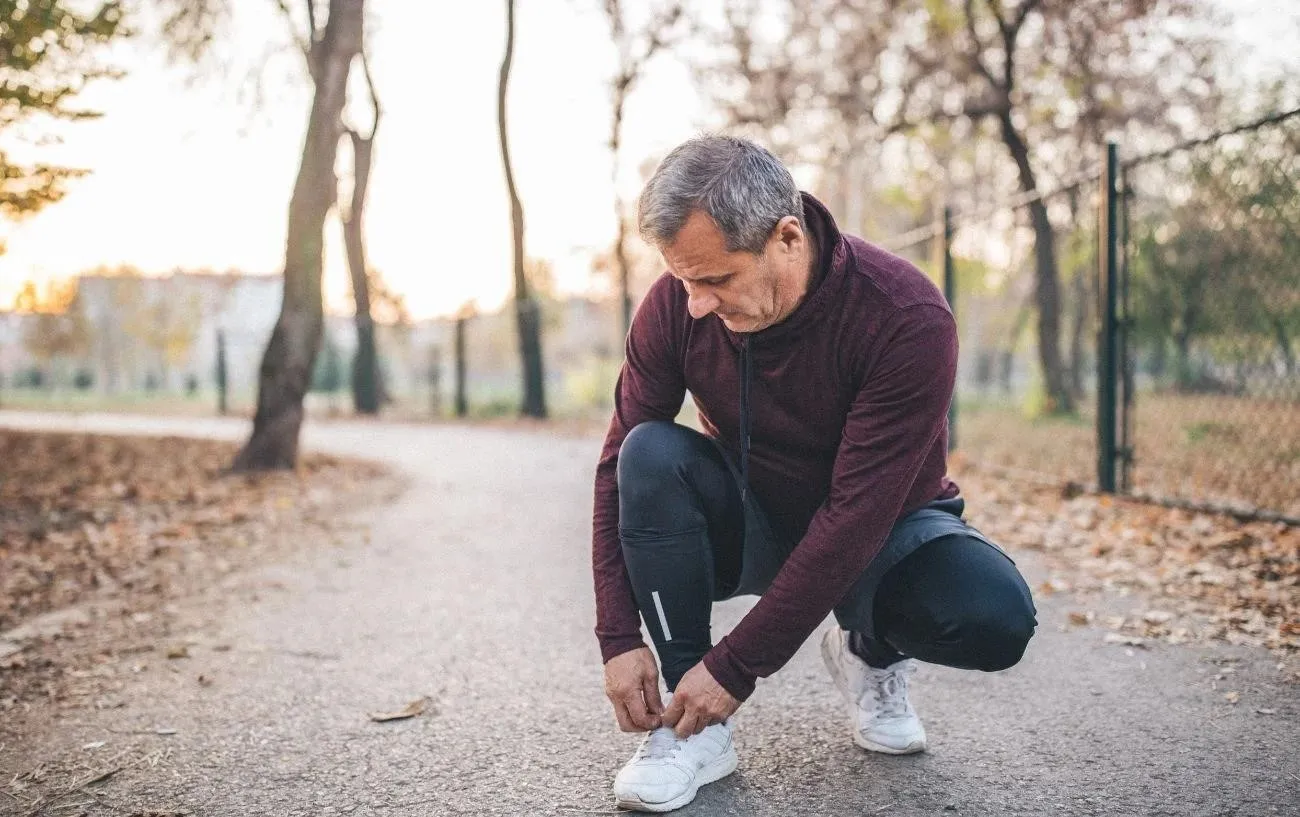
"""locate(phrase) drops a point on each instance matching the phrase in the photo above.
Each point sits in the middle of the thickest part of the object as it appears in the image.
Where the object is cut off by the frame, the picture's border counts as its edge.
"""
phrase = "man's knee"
(988, 630)
(1000, 642)
(652, 464)
(651, 453)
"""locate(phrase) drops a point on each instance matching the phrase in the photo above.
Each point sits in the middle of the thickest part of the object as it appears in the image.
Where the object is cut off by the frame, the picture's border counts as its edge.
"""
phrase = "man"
(822, 368)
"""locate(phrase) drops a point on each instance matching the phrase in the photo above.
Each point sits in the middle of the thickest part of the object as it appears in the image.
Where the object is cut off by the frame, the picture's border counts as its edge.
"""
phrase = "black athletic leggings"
(954, 600)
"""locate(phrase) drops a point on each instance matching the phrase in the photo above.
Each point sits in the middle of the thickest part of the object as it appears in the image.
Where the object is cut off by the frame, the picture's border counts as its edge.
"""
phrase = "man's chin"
(739, 325)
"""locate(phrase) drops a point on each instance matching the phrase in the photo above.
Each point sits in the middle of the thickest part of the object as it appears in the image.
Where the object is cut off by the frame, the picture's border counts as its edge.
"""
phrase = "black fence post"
(222, 375)
(1107, 353)
(950, 293)
(435, 382)
(1125, 450)
(462, 400)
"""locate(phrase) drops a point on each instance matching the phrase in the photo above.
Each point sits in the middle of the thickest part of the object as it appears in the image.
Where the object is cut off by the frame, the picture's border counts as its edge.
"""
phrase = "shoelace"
(891, 690)
(662, 743)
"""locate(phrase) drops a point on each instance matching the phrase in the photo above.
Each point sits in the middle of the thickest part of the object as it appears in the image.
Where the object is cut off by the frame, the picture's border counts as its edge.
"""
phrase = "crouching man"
(822, 368)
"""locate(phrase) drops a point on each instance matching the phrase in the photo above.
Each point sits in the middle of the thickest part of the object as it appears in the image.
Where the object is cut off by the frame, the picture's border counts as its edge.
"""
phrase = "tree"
(52, 51)
(170, 328)
(1043, 79)
(635, 50)
(329, 48)
(365, 363)
(1215, 256)
(327, 375)
(60, 330)
(527, 313)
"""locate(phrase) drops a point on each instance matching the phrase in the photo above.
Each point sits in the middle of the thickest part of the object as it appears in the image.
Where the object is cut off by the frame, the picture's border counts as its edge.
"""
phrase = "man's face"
(748, 292)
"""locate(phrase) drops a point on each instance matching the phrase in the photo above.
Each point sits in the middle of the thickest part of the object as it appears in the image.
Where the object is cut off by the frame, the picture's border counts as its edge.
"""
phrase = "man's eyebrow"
(704, 279)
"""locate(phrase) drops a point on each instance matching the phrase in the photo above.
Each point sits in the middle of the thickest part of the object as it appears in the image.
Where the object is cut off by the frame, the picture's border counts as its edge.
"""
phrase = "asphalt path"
(474, 591)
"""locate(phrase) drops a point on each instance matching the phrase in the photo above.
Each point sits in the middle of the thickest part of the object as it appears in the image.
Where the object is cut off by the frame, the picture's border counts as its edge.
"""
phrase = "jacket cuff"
(730, 673)
(611, 646)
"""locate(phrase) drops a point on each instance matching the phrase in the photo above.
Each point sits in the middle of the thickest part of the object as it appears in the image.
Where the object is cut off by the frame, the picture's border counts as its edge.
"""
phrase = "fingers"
(636, 709)
(675, 709)
(689, 724)
(632, 686)
(624, 719)
(650, 689)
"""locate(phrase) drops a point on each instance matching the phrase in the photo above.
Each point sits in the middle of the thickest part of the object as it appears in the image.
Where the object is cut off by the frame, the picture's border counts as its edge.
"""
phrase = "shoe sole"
(911, 748)
(713, 772)
(831, 644)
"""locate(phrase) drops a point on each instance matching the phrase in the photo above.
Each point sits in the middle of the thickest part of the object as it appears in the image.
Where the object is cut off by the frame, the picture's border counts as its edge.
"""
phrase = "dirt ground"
(100, 535)
(213, 677)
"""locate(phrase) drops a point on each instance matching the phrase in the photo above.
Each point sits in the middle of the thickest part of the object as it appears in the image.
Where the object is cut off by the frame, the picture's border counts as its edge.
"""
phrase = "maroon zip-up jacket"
(849, 431)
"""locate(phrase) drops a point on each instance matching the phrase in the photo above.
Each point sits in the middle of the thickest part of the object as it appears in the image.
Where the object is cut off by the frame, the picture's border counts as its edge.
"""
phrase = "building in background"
(138, 335)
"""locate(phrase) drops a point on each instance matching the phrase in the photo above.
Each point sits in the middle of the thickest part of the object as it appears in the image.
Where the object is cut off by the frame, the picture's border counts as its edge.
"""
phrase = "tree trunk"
(1047, 288)
(1284, 345)
(527, 317)
(1183, 379)
(291, 352)
(365, 364)
(1078, 337)
(223, 376)
(620, 243)
(624, 272)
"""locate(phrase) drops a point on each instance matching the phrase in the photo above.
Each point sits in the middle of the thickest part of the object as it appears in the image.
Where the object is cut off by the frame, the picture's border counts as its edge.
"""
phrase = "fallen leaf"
(1126, 640)
(411, 710)
(1264, 711)
(1232, 697)
(178, 651)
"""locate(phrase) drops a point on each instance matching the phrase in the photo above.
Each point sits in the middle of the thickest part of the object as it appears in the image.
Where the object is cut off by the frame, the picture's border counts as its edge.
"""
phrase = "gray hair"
(740, 185)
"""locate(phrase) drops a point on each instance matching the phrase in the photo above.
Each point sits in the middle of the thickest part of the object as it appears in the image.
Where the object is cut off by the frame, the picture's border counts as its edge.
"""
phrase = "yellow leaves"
(945, 19)
(57, 297)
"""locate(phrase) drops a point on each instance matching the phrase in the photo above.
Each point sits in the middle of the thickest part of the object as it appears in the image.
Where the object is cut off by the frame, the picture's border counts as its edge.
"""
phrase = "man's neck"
(806, 281)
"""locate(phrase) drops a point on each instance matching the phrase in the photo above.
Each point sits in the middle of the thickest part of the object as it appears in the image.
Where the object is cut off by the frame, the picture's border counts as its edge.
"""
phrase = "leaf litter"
(1203, 577)
(101, 535)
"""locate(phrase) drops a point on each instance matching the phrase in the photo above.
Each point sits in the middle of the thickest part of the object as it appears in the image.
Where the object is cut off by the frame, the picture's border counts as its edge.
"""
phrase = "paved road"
(474, 590)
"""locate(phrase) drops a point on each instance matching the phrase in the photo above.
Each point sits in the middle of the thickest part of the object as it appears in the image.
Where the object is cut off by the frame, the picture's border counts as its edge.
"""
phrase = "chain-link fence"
(1202, 406)
(1001, 415)
(1211, 262)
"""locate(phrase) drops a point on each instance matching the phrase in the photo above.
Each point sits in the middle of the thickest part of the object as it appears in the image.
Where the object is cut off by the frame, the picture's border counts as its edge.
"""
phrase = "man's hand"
(632, 685)
(698, 701)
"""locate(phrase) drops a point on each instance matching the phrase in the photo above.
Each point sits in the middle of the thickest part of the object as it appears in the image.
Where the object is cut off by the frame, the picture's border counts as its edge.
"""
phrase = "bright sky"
(188, 178)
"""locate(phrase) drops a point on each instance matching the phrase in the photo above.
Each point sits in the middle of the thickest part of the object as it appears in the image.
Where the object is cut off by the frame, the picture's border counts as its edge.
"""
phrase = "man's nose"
(700, 304)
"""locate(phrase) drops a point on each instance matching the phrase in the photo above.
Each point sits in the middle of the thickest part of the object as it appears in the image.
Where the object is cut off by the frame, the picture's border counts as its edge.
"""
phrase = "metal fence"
(1177, 311)
(1209, 311)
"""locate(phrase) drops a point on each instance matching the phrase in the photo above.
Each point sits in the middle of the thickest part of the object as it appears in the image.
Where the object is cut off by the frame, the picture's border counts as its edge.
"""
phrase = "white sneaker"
(881, 717)
(666, 771)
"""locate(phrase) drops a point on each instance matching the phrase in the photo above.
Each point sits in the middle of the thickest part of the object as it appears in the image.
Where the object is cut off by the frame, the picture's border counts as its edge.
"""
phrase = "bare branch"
(1026, 8)
(303, 43)
(374, 96)
(976, 57)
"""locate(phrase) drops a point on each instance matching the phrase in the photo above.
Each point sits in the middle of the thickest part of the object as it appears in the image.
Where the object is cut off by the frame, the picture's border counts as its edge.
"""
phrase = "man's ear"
(789, 233)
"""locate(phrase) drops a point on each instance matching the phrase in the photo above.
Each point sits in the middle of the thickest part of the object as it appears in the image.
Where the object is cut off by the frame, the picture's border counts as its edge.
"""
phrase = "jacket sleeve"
(651, 386)
(898, 415)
